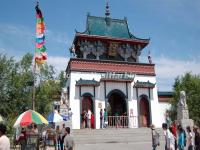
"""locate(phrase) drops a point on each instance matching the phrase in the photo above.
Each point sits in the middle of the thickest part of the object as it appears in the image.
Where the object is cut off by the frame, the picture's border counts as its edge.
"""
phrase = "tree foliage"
(191, 85)
(16, 87)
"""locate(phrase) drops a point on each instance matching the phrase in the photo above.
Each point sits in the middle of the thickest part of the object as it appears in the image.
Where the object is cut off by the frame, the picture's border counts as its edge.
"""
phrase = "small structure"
(182, 112)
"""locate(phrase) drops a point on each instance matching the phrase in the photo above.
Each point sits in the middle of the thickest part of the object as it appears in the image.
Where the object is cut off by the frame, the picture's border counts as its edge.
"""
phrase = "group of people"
(59, 139)
(64, 140)
(177, 138)
(87, 119)
(25, 133)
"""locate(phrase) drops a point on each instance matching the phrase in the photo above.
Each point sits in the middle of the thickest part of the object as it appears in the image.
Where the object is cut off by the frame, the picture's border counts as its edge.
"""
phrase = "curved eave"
(84, 32)
(143, 42)
(136, 38)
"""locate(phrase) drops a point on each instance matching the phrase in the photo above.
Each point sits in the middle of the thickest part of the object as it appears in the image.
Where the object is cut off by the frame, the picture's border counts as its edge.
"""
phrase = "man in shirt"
(68, 140)
(167, 136)
(89, 114)
(62, 136)
(4, 140)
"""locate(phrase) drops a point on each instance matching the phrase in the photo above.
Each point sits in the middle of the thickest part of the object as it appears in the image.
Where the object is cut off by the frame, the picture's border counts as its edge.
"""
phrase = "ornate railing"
(122, 122)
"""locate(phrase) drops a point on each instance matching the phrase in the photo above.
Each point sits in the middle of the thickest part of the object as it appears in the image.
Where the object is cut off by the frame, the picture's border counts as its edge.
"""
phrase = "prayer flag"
(40, 49)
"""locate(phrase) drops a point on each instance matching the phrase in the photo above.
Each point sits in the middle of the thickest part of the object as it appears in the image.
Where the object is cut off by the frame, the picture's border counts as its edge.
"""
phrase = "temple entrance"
(117, 109)
(87, 104)
(144, 116)
(117, 105)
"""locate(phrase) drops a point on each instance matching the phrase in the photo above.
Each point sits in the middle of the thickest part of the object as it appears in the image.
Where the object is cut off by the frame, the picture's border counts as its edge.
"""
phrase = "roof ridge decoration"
(144, 84)
(107, 13)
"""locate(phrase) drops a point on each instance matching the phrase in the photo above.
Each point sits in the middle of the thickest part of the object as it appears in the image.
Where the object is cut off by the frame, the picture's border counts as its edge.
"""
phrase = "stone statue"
(182, 111)
(64, 98)
(182, 101)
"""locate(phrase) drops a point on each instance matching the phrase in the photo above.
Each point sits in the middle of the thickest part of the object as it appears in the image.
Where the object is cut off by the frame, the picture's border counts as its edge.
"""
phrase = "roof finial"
(107, 13)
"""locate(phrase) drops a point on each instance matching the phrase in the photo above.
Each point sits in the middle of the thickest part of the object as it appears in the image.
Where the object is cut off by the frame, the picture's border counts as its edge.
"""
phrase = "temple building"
(106, 72)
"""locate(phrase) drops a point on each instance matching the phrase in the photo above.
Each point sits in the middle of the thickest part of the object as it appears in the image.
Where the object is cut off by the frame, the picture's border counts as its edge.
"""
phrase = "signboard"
(113, 48)
(113, 75)
(99, 105)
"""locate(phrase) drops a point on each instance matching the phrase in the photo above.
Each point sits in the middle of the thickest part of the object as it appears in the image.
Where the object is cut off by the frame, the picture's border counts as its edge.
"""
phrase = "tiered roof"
(108, 27)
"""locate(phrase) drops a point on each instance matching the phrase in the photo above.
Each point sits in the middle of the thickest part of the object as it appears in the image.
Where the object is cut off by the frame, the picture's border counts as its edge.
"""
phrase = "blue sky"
(172, 25)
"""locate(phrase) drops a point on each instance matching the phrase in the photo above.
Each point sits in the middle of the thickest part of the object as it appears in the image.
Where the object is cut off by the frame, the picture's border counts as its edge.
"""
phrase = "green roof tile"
(82, 82)
(103, 26)
(144, 84)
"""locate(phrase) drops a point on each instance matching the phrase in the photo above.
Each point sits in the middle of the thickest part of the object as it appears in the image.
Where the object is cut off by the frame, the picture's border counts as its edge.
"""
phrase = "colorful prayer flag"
(40, 49)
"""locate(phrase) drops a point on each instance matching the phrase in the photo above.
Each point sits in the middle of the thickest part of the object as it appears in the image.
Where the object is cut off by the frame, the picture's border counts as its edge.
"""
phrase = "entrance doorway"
(144, 116)
(87, 104)
(117, 109)
(117, 104)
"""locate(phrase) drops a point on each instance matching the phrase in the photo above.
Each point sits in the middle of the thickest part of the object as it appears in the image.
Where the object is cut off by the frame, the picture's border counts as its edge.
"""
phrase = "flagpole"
(33, 99)
(34, 70)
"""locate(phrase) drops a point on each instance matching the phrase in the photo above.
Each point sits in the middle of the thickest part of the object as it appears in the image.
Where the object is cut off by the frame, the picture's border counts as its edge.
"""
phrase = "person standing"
(4, 140)
(181, 138)
(58, 137)
(155, 137)
(22, 139)
(62, 136)
(105, 116)
(92, 121)
(35, 129)
(89, 114)
(167, 136)
(174, 132)
(190, 142)
(196, 138)
(101, 118)
(172, 139)
(68, 140)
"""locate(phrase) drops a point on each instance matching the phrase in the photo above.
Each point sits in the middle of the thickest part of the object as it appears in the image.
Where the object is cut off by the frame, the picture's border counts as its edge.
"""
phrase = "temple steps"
(113, 135)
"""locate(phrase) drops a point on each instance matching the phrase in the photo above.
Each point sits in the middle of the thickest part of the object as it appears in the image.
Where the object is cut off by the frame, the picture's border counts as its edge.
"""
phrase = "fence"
(122, 122)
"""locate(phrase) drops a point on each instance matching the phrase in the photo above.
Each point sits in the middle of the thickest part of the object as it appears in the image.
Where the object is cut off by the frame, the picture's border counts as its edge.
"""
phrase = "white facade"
(99, 93)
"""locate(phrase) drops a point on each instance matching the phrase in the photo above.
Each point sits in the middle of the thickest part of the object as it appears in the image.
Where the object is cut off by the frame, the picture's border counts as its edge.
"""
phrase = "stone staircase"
(119, 139)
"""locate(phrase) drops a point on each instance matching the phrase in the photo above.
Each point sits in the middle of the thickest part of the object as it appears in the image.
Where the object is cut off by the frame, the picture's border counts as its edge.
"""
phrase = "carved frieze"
(102, 49)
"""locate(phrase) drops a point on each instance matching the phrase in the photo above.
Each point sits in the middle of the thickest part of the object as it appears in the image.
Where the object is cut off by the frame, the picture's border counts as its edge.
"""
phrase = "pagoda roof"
(144, 84)
(82, 82)
(108, 27)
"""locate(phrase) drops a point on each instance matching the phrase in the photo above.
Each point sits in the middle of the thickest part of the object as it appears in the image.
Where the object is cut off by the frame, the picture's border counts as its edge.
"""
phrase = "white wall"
(163, 107)
(156, 108)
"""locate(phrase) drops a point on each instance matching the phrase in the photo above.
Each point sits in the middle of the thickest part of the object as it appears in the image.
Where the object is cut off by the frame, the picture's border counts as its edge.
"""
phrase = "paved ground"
(118, 146)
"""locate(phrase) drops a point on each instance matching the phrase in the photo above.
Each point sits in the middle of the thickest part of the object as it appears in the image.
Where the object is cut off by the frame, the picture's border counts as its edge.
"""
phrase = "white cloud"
(167, 69)
(59, 63)
(171, 68)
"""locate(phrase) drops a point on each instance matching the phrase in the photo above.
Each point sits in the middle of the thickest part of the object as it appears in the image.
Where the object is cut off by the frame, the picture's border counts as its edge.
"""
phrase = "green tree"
(16, 87)
(191, 85)
(7, 66)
